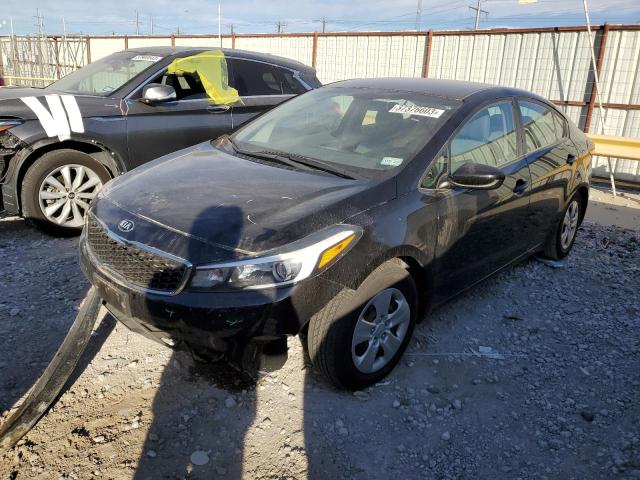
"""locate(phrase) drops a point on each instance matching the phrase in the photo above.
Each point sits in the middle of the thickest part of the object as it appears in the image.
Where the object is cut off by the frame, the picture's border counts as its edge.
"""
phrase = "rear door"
(480, 231)
(260, 86)
(155, 130)
(550, 154)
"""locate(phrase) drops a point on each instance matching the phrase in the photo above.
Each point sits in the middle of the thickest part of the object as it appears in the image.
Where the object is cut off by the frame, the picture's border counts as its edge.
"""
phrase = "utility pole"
(418, 15)
(478, 12)
(281, 25)
(39, 23)
(232, 30)
(151, 19)
(137, 22)
(323, 21)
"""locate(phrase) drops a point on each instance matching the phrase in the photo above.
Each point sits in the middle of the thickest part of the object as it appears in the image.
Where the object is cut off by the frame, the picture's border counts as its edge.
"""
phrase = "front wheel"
(58, 189)
(359, 336)
(560, 244)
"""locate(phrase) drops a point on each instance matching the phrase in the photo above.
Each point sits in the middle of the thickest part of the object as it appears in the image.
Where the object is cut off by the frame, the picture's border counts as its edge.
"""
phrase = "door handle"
(218, 108)
(571, 158)
(521, 187)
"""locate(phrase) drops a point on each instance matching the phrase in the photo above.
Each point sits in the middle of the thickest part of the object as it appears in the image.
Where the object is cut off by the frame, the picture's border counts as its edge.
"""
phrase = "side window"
(489, 137)
(433, 175)
(188, 86)
(290, 85)
(541, 125)
(253, 78)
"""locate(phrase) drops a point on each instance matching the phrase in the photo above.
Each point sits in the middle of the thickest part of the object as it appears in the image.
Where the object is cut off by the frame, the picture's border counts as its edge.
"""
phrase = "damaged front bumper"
(214, 320)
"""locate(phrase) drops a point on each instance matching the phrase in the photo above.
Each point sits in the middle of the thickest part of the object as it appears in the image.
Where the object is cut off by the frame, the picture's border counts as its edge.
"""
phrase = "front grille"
(136, 266)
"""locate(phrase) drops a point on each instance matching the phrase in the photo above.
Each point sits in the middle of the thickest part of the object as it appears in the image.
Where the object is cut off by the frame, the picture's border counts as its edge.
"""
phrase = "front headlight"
(297, 261)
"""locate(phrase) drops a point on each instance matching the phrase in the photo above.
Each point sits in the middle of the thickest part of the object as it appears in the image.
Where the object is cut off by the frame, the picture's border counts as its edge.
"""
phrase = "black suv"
(61, 143)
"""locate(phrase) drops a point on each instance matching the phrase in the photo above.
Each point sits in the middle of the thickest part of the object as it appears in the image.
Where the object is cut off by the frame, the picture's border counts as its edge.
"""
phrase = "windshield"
(359, 129)
(106, 75)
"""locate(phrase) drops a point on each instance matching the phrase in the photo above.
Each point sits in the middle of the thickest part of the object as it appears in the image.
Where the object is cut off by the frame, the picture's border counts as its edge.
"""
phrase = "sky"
(107, 17)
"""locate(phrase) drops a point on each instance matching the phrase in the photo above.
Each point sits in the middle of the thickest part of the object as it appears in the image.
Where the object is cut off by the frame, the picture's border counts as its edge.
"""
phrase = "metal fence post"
(599, 60)
(314, 51)
(427, 54)
(88, 40)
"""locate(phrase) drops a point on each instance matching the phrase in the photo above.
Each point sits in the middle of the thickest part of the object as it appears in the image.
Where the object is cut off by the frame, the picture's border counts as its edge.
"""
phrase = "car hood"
(206, 205)
(89, 105)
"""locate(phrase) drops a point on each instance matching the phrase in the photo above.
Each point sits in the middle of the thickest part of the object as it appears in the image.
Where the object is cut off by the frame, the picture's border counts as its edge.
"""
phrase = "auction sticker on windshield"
(416, 110)
(146, 58)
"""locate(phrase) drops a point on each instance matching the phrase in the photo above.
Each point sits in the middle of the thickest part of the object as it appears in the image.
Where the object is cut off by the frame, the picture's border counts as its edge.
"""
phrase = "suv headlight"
(286, 266)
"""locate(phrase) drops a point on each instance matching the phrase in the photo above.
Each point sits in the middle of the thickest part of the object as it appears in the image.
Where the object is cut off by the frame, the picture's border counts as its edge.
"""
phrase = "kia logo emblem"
(126, 225)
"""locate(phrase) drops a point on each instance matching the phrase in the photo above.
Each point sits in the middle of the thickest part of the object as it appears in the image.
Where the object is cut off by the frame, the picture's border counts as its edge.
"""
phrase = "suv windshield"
(360, 129)
(106, 75)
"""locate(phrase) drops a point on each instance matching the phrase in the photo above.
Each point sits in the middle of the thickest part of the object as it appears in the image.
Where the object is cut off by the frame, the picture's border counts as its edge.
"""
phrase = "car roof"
(451, 89)
(231, 52)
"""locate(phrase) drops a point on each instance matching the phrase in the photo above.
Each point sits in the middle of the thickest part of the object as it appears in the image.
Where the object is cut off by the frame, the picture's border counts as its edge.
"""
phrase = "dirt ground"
(535, 374)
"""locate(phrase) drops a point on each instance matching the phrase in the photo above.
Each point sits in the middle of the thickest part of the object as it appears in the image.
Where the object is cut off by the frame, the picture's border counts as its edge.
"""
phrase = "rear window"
(542, 126)
(290, 84)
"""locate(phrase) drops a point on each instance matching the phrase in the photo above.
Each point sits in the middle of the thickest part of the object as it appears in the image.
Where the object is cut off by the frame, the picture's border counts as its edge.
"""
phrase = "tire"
(558, 246)
(332, 344)
(52, 164)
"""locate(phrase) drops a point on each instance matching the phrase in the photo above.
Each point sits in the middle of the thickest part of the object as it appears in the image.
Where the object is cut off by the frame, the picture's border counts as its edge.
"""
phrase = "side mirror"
(477, 176)
(158, 93)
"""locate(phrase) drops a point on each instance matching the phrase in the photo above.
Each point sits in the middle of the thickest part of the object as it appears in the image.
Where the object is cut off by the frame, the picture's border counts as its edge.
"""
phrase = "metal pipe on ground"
(52, 382)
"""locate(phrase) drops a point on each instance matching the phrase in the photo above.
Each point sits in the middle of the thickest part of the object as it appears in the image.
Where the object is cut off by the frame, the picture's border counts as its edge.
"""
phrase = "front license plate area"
(114, 296)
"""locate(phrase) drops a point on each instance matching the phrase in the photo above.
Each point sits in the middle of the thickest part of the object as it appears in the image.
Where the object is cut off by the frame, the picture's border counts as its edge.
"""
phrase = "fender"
(21, 161)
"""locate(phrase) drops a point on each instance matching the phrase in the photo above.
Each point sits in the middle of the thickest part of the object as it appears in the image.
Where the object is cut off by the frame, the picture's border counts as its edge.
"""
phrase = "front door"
(480, 231)
(155, 130)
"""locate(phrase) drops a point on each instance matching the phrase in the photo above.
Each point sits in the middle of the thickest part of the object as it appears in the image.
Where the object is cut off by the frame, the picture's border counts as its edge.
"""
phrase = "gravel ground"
(534, 374)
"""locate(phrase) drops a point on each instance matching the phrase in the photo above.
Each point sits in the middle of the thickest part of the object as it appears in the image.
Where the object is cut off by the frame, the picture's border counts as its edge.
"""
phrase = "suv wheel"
(359, 336)
(58, 189)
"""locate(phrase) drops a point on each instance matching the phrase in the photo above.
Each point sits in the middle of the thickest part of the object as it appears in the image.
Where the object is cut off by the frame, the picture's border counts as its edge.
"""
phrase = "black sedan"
(61, 143)
(342, 215)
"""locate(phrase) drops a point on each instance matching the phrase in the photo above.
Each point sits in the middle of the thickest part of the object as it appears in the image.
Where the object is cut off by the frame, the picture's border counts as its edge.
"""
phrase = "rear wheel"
(359, 336)
(560, 244)
(58, 189)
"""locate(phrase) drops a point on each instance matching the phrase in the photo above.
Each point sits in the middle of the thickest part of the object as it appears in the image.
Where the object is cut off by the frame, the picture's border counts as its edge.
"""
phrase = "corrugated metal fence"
(553, 62)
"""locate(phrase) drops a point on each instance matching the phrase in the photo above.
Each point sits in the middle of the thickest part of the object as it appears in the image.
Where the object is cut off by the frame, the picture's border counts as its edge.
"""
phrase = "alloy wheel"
(380, 330)
(569, 225)
(65, 194)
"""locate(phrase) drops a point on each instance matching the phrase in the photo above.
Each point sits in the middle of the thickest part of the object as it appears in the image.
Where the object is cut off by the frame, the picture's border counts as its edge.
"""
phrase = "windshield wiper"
(316, 164)
(290, 159)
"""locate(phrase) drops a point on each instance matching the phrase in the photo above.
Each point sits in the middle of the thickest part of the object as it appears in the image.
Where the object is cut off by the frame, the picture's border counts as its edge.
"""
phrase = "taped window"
(204, 75)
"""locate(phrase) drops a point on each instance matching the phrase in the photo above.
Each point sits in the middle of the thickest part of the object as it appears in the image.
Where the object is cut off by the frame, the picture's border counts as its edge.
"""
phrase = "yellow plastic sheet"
(211, 68)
